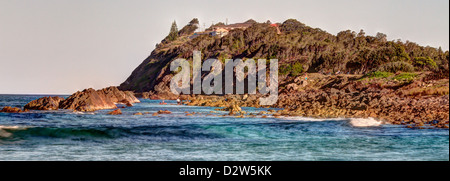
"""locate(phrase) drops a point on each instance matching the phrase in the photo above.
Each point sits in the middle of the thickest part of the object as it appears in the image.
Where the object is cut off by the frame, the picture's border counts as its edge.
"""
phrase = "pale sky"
(62, 46)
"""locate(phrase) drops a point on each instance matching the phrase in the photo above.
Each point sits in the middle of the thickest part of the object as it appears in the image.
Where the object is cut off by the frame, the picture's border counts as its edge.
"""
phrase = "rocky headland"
(350, 74)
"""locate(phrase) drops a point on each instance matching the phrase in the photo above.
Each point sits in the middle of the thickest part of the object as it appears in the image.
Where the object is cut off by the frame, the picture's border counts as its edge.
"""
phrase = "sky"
(62, 46)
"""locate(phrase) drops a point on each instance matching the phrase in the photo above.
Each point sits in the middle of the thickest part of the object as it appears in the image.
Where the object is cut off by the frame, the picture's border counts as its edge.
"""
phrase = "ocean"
(67, 135)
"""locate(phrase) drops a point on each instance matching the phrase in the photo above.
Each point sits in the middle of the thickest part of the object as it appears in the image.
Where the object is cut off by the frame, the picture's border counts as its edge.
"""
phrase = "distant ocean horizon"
(206, 135)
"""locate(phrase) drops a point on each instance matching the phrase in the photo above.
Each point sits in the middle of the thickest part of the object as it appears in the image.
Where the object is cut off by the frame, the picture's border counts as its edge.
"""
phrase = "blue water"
(65, 135)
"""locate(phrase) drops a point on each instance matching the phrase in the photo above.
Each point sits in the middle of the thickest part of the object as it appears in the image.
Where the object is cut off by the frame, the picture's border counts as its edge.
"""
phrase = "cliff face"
(298, 48)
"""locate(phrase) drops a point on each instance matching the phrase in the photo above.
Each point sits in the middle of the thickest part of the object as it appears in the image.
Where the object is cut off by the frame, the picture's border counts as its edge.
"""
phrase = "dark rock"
(115, 112)
(164, 112)
(9, 109)
(45, 103)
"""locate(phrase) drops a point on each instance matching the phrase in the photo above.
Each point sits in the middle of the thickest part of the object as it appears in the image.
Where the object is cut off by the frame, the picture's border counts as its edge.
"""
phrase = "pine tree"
(173, 35)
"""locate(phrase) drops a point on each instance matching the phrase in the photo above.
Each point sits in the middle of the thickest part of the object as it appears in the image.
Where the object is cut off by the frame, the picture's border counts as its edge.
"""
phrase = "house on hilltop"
(276, 26)
(222, 30)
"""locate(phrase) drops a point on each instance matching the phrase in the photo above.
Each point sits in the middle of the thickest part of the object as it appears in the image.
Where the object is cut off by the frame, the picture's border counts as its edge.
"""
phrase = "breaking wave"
(365, 122)
(5, 130)
(356, 122)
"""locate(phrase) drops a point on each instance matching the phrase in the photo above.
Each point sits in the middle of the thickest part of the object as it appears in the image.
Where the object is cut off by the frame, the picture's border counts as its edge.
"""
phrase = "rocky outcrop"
(164, 112)
(92, 100)
(9, 109)
(353, 97)
(115, 112)
(45, 103)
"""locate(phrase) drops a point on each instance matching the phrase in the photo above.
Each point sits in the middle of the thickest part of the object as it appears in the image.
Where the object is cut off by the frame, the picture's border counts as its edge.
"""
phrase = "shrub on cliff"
(396, 67)
(425, 63)
(294, 69)
(405, 77)
(297, 69)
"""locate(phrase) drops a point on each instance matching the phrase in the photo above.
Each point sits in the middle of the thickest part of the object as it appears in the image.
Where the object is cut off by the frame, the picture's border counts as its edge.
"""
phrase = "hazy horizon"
(62, 46)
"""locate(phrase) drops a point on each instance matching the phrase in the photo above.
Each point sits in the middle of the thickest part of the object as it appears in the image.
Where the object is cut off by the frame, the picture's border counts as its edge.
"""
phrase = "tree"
(190, 28)
(381, 37)
(194, 22)
(361, 33)
(173, 34)
(292, 25)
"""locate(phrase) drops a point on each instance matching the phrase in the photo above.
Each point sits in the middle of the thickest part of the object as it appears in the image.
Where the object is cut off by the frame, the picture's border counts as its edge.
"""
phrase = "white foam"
(5, 134)
(356, 122)
(299, 118)
(12, 127)
(365, 122)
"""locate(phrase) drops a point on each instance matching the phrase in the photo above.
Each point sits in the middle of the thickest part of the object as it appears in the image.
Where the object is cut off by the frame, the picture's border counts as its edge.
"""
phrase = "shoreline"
(414, 103)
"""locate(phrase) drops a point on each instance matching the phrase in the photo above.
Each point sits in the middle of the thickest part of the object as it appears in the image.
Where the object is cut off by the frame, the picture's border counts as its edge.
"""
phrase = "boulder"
(115, 112)
(45, 103)
(164, 112)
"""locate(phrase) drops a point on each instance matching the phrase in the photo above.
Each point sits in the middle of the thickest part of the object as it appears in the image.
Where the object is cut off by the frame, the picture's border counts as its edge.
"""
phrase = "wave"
(5, 130)
(161, 132)
(365, 122)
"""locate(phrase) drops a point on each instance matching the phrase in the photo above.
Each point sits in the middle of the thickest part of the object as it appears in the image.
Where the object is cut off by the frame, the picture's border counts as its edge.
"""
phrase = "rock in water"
(92, 100)
(9, 109)
(45, 103)
(164, 112)
(115, 112)
(234, 109)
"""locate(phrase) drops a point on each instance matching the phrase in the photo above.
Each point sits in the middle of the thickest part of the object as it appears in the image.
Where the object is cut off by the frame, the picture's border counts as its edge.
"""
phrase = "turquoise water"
(64, 135)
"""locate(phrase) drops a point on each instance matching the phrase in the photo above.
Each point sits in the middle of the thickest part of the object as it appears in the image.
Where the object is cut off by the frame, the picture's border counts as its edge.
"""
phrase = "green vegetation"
(398, 66)
(285, 69)
(300, 48)
(378, 74)
(173, 34)
(294, 70)
(190, 28)
(425, 63)
(297, 69)
(319, 50)
(405, 77)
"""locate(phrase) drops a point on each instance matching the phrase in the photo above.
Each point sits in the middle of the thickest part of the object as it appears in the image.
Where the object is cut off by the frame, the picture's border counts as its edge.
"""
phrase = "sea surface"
(67, 135)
